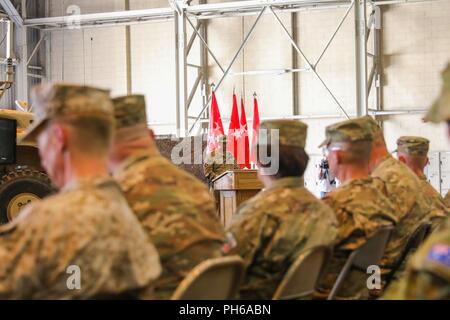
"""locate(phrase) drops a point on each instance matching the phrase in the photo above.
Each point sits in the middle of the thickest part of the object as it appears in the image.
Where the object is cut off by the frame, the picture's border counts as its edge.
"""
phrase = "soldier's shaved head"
(348, 148)
(354, 153)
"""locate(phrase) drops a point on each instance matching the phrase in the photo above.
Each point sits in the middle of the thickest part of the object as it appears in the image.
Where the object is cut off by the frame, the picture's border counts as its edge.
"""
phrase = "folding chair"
(370, 253)
(414, 241)
(304, 274)
(213, 279)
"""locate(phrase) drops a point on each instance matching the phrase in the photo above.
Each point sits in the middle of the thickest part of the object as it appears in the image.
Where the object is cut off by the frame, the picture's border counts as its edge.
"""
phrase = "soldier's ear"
(151, 133)
(339, 157)
(60, 135)
(401, 158)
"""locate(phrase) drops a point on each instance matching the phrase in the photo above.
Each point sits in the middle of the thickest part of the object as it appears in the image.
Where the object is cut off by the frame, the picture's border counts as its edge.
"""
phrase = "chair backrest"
(413, 242)
(304, 274)
(370, 253)
(213, 279)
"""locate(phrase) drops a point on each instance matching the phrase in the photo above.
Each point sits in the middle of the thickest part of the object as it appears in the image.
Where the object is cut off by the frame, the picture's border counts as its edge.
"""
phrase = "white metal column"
(361, 57)
(181, 72)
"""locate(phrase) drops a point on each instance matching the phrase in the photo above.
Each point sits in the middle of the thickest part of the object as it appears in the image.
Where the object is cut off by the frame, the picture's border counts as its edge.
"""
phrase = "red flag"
(244, 148)
(234, 129)
(255, 128)
(215, 128)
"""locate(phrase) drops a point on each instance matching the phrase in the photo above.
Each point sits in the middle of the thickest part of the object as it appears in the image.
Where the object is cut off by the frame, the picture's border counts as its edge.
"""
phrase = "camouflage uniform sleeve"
(231, 163)
(428, 272)
(248, 235)
(18, 256)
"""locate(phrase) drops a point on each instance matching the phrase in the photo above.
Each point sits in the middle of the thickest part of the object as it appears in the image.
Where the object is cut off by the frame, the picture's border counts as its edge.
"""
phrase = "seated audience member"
(427, 275)
(404, 191)
(174, 208)
(84, 242)
(360, 203)
(413, 151)
(270, 230)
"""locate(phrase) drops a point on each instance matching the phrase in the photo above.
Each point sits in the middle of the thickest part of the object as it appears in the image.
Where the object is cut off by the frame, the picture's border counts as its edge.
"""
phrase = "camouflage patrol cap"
(130, 111)
(348, 131)
(59, 101)
(291, 132)
(370, 124)
(415, 146)
(440, 110)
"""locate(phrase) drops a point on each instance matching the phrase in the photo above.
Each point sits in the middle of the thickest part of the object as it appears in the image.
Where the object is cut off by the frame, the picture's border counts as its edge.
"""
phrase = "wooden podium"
(233, 188)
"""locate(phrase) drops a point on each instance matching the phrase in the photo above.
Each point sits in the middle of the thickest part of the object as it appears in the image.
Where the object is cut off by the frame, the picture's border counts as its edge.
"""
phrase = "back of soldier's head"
(281, 145)
(375, 130)
(130, 118)
(352, 139)
(413, 151)
(85, 111)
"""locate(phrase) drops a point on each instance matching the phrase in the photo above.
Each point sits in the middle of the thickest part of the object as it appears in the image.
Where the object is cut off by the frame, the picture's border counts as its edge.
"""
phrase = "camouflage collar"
(85, 183)
(359, 181)
(423, 177)
(135, 158)
(289, 182)
(383, 160)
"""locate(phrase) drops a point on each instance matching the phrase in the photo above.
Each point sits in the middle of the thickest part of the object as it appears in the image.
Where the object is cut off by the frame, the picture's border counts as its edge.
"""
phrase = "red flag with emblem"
(215, 128)
(255, 128)
(233, 130)
(243, 142)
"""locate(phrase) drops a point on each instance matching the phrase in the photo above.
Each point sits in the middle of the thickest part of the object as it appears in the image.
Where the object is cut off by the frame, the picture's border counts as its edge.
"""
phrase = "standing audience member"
(327, 181)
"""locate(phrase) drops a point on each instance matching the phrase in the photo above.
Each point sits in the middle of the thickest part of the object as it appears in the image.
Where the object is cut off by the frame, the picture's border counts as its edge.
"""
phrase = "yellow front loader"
(22, 179)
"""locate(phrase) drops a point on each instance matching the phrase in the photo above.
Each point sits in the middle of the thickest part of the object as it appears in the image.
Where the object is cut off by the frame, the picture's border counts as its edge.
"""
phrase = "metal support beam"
(295, 65)
(335, 33)
(361, 57)
(193, 36)
(36, 48)
(194, 89)
(181, 74)
(247, 37)
(21, 83)
(206, 45)
(128, 53)
(309, 63)
(12, 13)
(205, 88)
(377, 60)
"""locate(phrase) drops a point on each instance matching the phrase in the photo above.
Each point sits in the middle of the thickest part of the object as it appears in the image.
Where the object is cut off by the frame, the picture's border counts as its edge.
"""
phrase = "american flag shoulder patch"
(440, 253)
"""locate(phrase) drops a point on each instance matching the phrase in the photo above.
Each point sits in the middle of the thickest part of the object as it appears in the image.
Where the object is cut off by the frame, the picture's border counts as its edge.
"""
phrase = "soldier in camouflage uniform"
(219, 161)
(413, 151)
(403, 189)
(172, 205)
(87, 227)
(270, 230)
(447, 199)
(440, 111)
(360, 203)
(427, 274)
